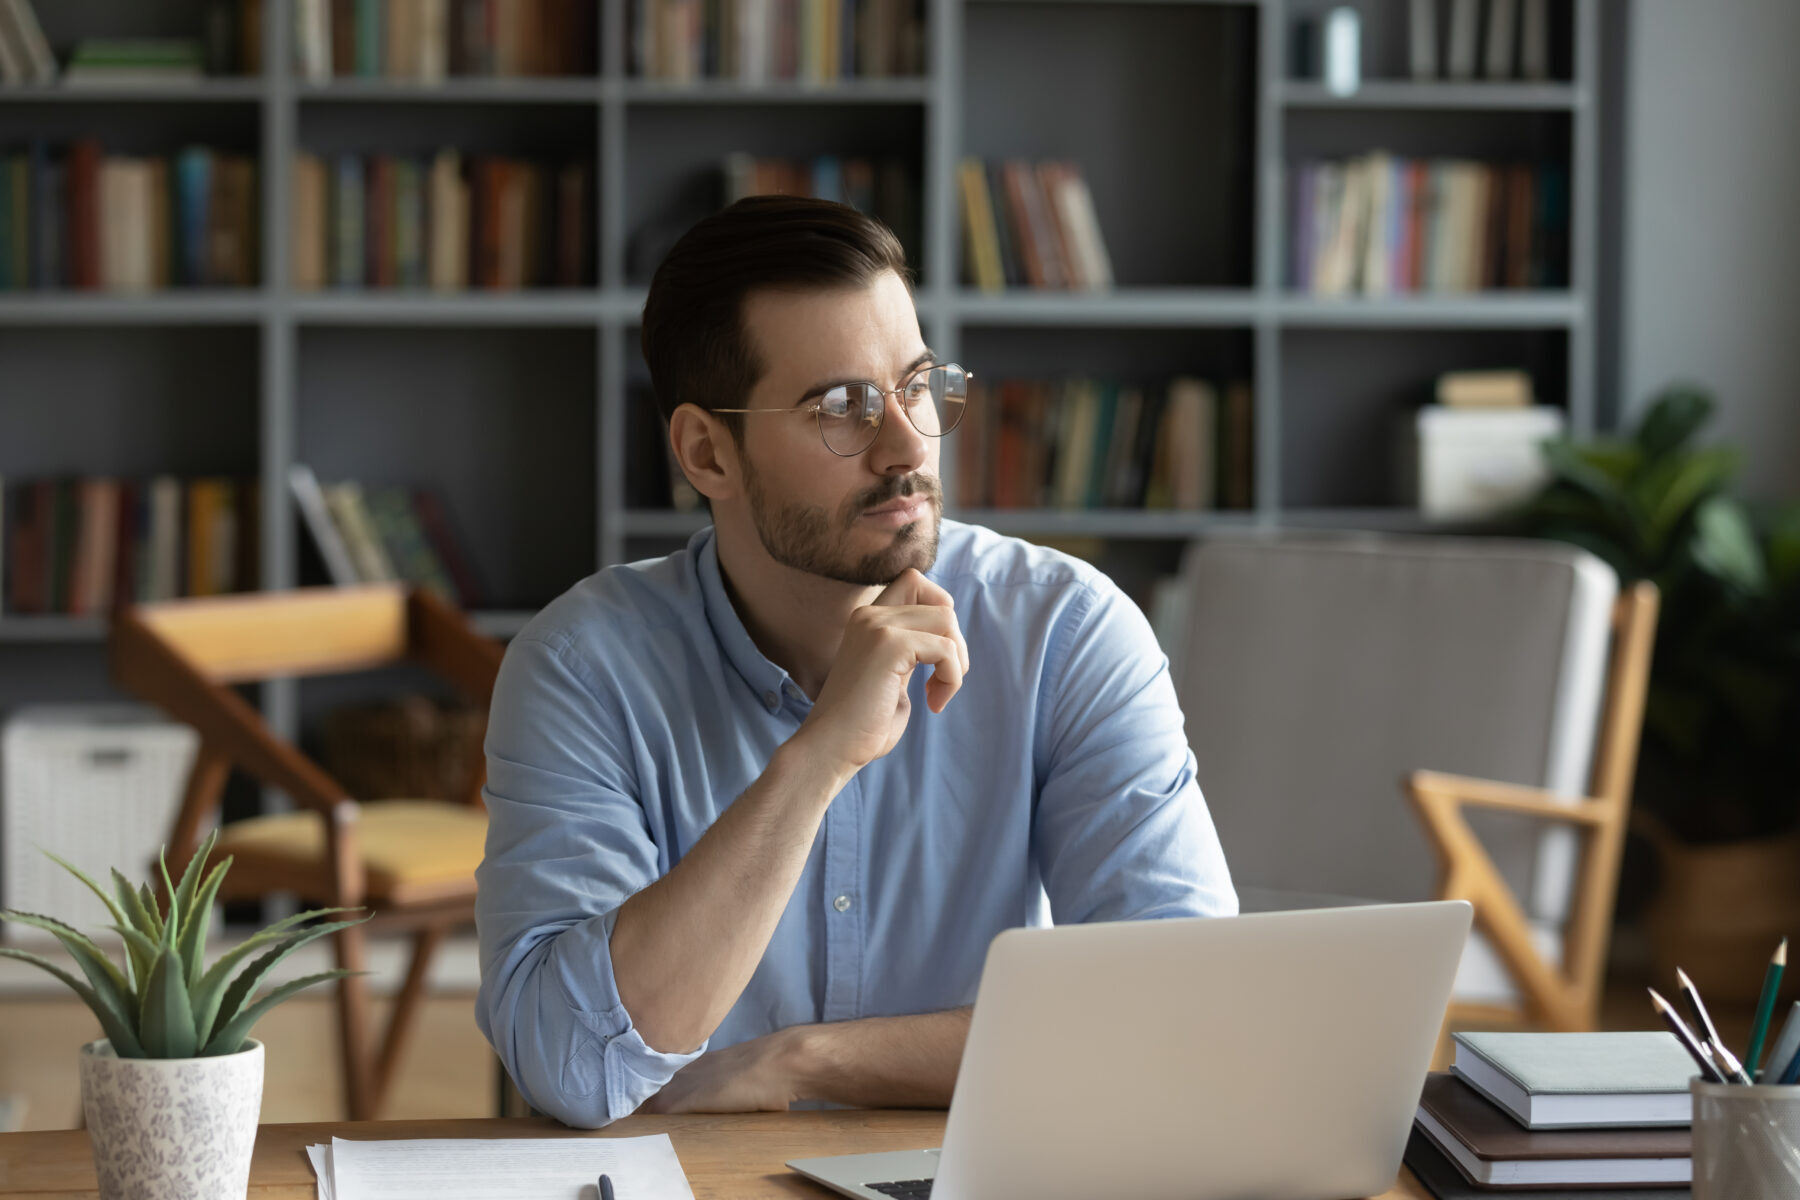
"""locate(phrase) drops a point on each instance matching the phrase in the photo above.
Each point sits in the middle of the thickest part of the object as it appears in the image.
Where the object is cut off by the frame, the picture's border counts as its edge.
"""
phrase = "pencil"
(1685, 1036)
(1765, 1009)
(1709, 1033)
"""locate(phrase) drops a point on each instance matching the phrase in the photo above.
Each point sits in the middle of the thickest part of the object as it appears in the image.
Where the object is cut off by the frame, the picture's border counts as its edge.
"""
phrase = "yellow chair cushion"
(405, 845)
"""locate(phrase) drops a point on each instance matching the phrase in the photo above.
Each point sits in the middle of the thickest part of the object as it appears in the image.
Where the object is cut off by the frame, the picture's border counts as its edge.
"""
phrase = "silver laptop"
(1278, 1056)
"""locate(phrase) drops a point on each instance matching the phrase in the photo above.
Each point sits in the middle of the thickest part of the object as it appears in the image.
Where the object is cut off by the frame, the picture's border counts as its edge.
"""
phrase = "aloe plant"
(161, 1000)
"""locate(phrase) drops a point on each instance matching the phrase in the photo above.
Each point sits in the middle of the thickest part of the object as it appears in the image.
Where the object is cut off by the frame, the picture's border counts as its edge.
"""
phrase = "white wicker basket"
(98, 785)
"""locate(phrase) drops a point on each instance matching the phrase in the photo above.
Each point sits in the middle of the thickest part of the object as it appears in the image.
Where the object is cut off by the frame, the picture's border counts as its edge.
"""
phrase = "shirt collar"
(764, 677)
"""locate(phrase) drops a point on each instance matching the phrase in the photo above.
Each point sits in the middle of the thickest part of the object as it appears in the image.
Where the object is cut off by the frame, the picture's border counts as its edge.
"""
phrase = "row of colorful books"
(885, 189)
(756, 41)
(385, 534)
(387, 220)
(427, 40)
(1085, 443)
(75, 217)
(1378, 225)
(1027, 225)
(83, 546)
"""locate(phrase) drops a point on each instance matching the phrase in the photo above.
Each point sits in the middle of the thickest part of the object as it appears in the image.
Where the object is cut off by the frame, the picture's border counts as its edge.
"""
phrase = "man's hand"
(862, 710)
(753, 1076)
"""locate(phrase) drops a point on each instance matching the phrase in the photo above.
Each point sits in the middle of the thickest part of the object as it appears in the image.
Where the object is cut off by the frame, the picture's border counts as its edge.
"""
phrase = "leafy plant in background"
(1722, 726)
(163, 1002)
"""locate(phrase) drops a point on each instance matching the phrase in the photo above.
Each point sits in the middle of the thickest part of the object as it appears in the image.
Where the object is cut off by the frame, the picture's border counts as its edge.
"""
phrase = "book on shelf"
(884, 189)
(1083, 443)
(25, 56)
(1457, 39)
(85, 546)
(384, 534)
(762, 41)
(135, 62)
(1485, 389)
(443, 222)
(427, 41)
(1379, 225)
(78, 218)
(1030, 225)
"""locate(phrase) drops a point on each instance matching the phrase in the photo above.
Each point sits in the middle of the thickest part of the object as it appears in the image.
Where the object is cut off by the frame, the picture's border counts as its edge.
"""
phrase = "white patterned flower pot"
(172, 1128)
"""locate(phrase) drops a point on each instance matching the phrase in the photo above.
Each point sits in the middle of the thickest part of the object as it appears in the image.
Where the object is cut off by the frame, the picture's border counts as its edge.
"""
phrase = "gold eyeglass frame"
(880, 421)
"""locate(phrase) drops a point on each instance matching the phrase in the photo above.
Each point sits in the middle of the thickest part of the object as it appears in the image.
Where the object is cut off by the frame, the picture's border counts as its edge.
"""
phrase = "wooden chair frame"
(183, 656)
(1565, 997)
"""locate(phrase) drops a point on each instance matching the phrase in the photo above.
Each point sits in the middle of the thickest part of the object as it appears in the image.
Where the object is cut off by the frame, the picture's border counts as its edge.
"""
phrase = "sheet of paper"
(320, 1157)
(641, 1168)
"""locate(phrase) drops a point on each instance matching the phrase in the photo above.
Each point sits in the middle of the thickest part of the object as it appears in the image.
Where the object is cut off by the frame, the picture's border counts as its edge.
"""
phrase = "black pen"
(606, 1192)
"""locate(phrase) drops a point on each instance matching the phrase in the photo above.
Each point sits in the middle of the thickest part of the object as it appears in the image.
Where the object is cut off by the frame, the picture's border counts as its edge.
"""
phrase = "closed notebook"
(1494, 1150)
(1443, 1180)
(1580, 1080)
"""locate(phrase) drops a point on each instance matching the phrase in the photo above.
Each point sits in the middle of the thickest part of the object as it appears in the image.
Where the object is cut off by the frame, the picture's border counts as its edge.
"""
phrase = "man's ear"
(707, 453)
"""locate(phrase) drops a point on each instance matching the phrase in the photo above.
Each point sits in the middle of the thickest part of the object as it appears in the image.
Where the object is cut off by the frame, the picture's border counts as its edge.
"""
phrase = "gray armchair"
(1325, 677)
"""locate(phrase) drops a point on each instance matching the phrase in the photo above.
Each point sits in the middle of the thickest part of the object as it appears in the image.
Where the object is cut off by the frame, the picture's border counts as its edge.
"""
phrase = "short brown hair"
(693, 335)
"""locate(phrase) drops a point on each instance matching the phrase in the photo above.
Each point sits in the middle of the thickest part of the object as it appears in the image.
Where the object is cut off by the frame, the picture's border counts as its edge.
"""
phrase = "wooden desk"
(737, 1157)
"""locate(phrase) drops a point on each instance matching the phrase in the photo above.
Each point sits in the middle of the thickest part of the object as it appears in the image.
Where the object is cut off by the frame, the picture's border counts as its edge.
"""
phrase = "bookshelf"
(513, 404)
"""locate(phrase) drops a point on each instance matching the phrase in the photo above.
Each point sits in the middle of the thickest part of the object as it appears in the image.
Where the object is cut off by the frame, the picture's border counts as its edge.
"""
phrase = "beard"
(808, 538)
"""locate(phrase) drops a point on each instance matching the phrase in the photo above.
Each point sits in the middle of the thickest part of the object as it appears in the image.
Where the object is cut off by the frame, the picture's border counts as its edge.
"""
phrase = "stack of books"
(1379, 225)
(135, 62)
(762, 41)
(82, 547)
(1089, 444)
(1030, 225)
(1601, 1116)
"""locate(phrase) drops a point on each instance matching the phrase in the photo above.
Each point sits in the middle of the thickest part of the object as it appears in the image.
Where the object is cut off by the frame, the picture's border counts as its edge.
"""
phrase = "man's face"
(859, 520)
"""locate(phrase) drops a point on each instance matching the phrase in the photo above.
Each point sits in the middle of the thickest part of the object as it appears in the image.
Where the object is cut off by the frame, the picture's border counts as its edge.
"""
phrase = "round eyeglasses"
(850, 414)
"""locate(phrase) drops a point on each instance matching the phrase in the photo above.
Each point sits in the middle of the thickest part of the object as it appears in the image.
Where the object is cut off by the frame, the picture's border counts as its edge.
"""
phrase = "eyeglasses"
(850, 414)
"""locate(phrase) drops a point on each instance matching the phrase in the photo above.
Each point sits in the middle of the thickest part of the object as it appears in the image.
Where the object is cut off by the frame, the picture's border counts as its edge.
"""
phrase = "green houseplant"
(172, 1093)
(1716, 787)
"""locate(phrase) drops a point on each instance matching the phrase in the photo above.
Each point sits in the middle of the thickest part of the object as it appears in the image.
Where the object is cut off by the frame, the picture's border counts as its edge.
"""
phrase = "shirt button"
(772, 700)
(842, 904)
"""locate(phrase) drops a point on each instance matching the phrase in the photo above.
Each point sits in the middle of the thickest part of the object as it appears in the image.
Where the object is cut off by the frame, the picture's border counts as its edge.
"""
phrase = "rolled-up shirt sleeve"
(1121, 829)
(567, 844)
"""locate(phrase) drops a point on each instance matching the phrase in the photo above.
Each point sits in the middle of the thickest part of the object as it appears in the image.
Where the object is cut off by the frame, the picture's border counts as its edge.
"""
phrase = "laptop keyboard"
(905, 1189)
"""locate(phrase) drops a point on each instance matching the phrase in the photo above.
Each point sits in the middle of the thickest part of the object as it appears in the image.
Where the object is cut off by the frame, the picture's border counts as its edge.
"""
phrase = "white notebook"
(642, 1168)
(1580, 1080)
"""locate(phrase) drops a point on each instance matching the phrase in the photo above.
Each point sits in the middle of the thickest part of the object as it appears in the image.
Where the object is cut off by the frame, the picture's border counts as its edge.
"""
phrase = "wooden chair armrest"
(143, 664)
(1469, 792)
(440, 637)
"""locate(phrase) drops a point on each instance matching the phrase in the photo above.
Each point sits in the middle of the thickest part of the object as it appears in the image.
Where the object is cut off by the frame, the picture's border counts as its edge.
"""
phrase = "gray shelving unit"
(1179, 110)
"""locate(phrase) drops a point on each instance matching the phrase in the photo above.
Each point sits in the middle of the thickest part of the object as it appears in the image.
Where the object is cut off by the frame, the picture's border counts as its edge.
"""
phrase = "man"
(742, 851)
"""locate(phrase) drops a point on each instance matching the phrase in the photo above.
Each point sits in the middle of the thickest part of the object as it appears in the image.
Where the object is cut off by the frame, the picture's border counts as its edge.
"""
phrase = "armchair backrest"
(1316, 672)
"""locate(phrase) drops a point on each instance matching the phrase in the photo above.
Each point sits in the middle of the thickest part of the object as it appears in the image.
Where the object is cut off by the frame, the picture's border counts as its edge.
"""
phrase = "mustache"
(896, 487)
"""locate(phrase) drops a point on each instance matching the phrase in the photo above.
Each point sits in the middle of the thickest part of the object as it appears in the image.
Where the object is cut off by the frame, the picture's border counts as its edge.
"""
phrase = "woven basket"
(410, 748)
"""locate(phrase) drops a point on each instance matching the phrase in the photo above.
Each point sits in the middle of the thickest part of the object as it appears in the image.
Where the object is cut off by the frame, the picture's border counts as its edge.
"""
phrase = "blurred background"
(327, 292)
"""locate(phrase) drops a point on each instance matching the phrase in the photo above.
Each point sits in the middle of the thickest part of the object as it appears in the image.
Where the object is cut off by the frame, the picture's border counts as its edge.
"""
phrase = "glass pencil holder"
(1746, 1141)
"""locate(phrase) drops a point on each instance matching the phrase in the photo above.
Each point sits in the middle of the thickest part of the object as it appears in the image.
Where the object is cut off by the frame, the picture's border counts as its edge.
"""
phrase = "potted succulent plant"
(1721, 749)
(173, 1091)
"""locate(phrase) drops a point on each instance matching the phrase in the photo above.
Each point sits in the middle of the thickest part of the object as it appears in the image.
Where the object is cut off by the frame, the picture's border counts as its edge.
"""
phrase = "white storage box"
(1466, 463)
(98, 785)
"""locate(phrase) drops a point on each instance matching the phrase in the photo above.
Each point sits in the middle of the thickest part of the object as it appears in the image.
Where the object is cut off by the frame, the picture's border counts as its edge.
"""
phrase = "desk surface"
(739, 1156)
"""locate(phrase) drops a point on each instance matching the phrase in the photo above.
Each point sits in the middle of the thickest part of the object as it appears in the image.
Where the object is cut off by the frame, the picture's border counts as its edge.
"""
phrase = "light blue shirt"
(1057, 784)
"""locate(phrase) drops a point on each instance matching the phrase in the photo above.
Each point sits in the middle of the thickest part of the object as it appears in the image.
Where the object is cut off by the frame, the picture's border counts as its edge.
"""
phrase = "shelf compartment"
(132, 402)
(1172, 215)
(675, 156)
(1346, 392)
(500, 423)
